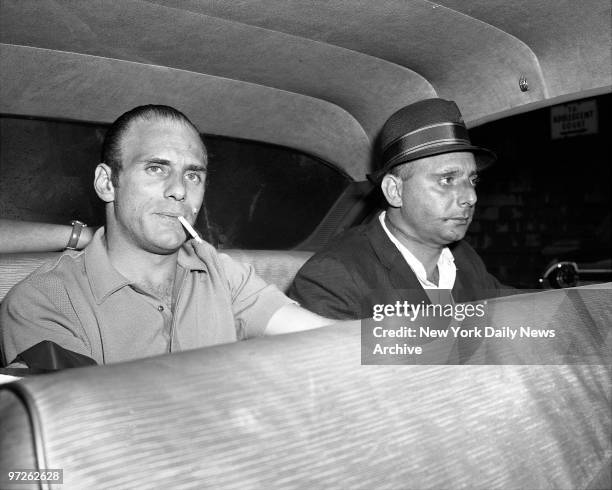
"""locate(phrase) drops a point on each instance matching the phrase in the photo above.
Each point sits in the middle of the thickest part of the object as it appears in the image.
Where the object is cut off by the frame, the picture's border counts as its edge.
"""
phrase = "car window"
(266, 197)
(46, 170)
(549, 195)
(258, 195)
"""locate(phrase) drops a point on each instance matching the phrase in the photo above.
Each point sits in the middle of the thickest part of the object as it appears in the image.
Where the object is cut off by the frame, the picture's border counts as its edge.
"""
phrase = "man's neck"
(141, 266)
(427, 254)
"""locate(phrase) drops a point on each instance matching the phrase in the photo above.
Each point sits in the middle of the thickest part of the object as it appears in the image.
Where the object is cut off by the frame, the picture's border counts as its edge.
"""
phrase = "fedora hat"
(423, 129)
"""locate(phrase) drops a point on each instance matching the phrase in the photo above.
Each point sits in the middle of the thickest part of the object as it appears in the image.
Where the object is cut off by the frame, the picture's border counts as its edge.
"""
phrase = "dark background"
(544, 198)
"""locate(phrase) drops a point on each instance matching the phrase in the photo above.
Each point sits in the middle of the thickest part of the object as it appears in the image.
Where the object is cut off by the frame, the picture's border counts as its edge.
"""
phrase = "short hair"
(111, 146)
(403, 171)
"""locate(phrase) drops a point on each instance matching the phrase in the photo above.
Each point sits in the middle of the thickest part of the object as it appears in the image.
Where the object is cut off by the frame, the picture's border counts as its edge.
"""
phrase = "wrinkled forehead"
(146, 135)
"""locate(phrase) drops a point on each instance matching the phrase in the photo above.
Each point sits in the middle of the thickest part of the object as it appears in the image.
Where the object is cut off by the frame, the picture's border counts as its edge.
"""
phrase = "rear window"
(549, 195)
(258, 195)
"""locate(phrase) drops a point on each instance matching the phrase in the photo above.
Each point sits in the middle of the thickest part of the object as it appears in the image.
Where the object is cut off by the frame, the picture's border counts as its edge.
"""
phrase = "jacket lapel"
(401, 276)
(463, 289)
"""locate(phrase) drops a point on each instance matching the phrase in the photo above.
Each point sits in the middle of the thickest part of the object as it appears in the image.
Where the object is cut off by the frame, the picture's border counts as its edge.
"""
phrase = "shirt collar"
(188, 258)
(446, 262)
(104, 279)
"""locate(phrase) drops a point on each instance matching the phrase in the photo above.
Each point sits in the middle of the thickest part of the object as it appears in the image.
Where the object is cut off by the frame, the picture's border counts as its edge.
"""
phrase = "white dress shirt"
(447, 271)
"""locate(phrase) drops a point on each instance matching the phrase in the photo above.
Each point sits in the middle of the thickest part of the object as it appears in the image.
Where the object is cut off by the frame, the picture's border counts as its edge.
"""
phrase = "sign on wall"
(573, 119)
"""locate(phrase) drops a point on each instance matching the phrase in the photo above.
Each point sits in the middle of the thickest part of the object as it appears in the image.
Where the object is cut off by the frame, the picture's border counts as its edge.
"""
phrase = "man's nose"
(176, 188)
(467, 195)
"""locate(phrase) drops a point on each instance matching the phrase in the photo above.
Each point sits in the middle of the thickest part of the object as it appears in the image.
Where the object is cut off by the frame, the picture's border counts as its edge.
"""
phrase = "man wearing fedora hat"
(414, 249)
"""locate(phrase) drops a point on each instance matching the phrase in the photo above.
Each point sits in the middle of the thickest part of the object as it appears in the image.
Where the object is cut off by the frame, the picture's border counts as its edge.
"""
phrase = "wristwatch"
(77, 227)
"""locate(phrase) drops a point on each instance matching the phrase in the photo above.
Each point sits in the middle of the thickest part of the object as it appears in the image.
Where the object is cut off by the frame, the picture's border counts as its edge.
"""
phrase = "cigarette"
(190, 229)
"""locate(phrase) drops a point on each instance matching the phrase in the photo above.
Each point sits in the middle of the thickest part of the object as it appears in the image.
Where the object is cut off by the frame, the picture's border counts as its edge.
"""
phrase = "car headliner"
(319, 76)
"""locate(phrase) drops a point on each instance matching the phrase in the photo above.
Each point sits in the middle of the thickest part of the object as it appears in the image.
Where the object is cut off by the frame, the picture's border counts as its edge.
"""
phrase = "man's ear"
(103, 184)
(391, 187)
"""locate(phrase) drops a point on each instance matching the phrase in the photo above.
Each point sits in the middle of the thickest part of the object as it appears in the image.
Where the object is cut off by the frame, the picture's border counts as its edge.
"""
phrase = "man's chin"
(166, 245)
(453, 236)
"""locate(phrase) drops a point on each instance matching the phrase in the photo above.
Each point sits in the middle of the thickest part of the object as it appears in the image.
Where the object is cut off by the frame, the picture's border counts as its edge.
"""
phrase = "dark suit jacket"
(362, 267)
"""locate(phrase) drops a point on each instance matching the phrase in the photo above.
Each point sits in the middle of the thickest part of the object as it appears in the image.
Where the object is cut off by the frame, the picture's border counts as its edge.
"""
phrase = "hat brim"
(484, 158)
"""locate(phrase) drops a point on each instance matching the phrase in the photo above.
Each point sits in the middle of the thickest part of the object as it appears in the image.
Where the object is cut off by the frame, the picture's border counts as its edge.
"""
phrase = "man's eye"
(447, 180)
(194, 177)
(474, 180)
(154, 169)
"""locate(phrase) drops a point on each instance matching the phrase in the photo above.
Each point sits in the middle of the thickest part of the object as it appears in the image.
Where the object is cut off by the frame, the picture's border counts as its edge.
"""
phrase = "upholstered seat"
(300, 411)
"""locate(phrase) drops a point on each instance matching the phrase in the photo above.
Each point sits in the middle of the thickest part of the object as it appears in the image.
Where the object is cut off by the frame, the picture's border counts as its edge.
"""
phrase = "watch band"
(77, 227)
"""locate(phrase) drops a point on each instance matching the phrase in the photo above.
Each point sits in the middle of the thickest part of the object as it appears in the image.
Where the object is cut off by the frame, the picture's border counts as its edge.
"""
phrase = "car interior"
(290, 98)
